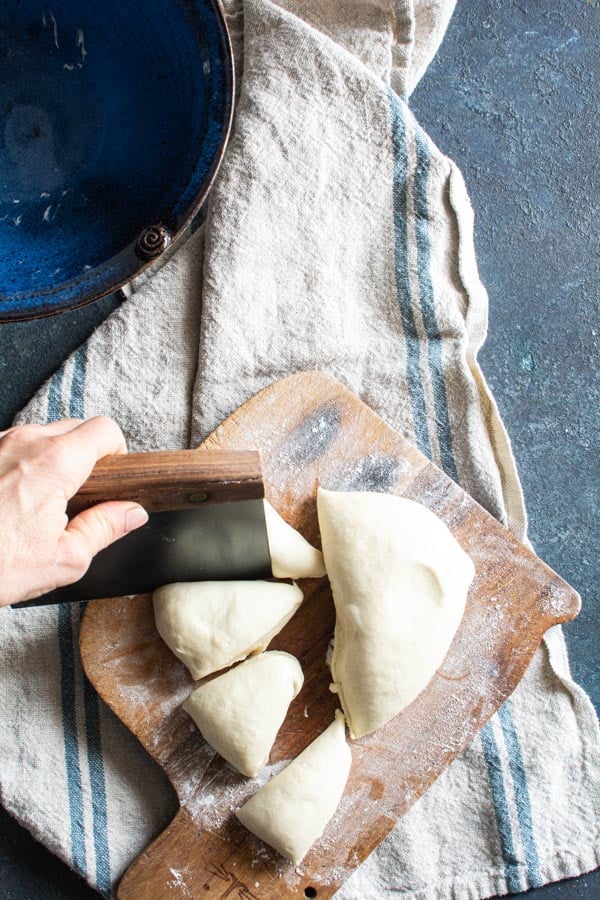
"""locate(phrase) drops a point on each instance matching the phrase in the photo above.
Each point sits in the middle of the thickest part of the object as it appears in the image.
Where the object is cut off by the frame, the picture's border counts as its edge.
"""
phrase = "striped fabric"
(426, 341)
(338, 238)
(83, 745)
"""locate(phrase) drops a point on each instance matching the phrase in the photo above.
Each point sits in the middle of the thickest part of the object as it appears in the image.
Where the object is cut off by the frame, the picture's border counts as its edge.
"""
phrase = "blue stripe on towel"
(67, 686)
(444, 431)
(519, 777)
(90, 698)
(54, 409)
(98, 787)
(76, 404)
(496, 779)
(434, 342)
(69, 722)
(448, 459)
(411, 337)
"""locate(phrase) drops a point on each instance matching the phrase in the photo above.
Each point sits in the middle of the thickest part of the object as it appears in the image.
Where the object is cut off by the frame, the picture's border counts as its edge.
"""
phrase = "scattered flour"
(178, 881)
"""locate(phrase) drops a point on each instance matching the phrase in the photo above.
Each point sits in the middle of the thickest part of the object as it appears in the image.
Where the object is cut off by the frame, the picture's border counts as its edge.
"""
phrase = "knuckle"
(20, 435)
(109, 426)
(97, 529)
(22, 447)
(58, 455)
(107, 423)
(75, 560)
(102, 526)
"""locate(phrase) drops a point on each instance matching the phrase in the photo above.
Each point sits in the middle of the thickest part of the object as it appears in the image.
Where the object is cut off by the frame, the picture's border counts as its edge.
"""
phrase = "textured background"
(511, 97)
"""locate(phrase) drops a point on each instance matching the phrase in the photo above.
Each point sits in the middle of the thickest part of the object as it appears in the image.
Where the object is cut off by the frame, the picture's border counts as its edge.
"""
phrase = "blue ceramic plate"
(114, 116)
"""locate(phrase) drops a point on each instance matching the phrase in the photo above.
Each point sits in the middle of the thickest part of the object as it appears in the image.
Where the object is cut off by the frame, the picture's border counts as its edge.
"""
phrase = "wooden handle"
(186, 861)
(172, 479)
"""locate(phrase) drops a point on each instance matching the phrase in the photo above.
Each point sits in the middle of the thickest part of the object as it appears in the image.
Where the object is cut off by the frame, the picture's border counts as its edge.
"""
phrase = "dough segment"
(240, 712)
(291, 811)
(209, 625)
(400, 581)
(291, 555)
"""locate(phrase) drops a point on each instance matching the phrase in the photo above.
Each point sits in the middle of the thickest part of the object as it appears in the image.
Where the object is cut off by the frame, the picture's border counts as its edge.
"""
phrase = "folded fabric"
(339, 238)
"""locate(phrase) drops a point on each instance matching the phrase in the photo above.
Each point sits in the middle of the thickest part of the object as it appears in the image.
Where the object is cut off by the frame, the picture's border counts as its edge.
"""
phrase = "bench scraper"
(206, 523)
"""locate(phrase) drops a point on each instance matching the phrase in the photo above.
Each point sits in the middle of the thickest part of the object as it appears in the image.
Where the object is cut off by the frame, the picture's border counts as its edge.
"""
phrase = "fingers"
(92, 531)
(51, 429)
(96, 437)
(76, 452)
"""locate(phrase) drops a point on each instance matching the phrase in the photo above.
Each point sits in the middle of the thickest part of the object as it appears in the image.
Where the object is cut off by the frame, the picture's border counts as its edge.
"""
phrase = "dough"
(291, 555)
(209, 625)
(239, 713)
(399, 580)
(291, 811)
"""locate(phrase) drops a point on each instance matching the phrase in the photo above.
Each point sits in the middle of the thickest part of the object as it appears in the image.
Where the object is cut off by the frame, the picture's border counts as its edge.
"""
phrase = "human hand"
(41, 468)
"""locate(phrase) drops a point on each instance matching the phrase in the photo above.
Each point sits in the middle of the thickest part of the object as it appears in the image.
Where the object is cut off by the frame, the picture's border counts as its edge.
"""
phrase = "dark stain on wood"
(313, 435)
(375, 472)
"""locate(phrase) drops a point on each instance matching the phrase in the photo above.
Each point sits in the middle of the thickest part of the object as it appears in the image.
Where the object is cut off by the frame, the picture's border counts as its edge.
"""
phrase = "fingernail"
(135, 518)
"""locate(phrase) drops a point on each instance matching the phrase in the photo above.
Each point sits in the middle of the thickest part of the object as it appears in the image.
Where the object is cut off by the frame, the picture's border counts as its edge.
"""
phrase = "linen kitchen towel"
(338, 237)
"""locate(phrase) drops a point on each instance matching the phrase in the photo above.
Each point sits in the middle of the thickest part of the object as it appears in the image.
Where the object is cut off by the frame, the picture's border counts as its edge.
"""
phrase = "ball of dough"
(291, 811)
(400, 581)
(209, 625)
(291, 555)
(240, 712)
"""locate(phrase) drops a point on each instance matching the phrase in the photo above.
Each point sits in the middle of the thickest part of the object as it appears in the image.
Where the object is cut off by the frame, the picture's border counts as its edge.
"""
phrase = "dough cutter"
(207, 523)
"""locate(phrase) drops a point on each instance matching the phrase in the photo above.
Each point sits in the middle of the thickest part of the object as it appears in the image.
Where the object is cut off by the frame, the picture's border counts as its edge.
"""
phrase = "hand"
(41, 468)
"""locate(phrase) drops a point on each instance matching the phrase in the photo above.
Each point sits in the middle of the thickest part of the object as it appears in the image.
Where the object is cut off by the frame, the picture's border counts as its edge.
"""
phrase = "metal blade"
(226, 541)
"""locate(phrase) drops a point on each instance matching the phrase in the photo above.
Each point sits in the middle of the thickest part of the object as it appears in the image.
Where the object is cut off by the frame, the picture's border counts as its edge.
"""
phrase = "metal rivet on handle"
(198, 497)
(153, 241)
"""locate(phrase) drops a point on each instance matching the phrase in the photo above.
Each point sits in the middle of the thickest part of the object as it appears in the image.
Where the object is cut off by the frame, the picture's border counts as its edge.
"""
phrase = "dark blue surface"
(513, 97)
(113, 117)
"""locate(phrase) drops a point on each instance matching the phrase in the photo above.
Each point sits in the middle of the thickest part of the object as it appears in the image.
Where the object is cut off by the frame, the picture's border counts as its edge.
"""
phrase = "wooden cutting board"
(311, 430)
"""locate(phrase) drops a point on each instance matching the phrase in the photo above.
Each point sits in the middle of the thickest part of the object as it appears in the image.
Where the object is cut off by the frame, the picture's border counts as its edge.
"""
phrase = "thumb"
(94, 529)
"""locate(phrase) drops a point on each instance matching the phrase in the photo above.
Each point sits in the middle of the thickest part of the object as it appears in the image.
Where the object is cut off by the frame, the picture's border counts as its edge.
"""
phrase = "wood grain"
(309, 430)
(176, 479)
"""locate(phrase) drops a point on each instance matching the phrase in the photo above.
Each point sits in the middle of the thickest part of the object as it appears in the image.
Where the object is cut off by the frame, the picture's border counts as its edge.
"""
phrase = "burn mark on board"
(313, 435)
(235, 887)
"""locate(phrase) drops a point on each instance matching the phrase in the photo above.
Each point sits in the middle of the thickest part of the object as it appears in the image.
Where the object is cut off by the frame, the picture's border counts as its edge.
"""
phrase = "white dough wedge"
(291, 555)
(291, 811)
(209, 625)
(240, 712)
(400, 581)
